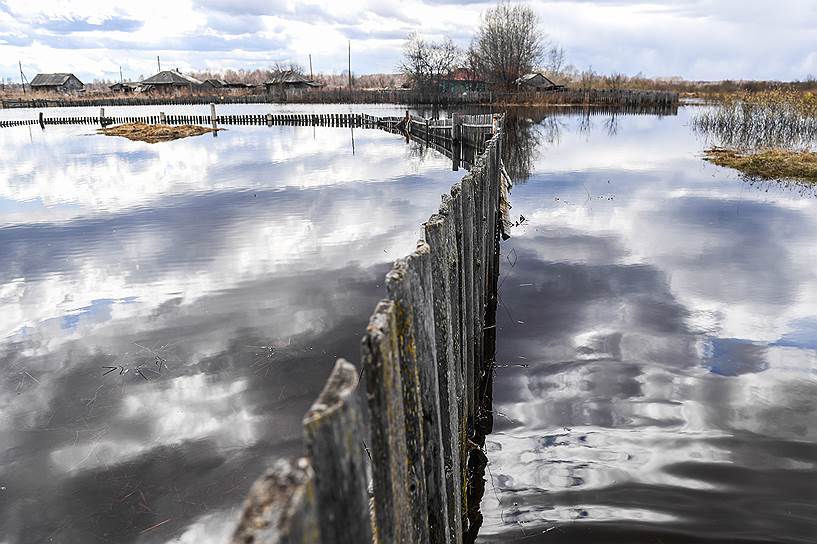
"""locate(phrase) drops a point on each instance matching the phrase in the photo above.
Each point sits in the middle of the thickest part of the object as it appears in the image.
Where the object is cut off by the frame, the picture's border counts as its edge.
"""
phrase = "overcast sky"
(695, 39)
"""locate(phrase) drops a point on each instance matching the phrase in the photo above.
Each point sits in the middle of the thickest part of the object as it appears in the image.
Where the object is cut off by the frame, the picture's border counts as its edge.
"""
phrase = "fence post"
(439, 232)
(162, 118)
(280, 508)
(390, 457)
(456, 140)
(213, 115)
(409, 285)
(102, 116)
(333, 429)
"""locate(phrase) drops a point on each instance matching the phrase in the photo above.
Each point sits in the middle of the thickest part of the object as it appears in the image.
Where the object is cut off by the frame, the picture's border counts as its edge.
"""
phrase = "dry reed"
(768, 164)
(141, 132)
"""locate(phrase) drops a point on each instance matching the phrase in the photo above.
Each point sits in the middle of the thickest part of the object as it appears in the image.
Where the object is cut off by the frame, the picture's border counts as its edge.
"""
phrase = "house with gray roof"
(288, 85)
(170, 82)
(62, 83)
(537, 81)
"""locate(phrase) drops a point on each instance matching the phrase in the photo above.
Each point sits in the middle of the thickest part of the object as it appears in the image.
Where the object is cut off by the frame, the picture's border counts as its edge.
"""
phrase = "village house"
(225, 87)
(61, 83)
(462, 80)
(124, 87)
(290, 85)
(170, 82)
(537, 81)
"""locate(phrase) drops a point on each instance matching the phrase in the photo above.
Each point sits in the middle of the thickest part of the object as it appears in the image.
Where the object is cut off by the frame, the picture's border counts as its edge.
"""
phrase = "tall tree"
(425, 62)
(509, 43)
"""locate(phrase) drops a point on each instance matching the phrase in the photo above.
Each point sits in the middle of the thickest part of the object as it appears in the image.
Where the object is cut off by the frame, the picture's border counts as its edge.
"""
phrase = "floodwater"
(170, 311)
(657, 345)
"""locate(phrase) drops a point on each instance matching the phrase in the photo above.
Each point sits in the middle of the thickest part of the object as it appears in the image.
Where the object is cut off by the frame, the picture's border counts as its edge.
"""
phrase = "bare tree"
(556, 61)
(615, 81)
(587, 79)
(509, 43)
(425, 63)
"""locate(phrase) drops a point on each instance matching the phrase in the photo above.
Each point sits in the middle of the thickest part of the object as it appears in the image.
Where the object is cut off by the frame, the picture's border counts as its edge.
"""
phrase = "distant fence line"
(294, 119)
(436, 133)
(427, 356)
(620, 97)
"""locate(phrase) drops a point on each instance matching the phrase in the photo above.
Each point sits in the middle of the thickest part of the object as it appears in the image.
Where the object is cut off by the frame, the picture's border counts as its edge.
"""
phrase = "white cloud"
(697, 39)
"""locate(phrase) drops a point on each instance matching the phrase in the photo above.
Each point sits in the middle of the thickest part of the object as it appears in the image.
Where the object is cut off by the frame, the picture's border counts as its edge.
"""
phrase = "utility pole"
(350, 68)
(22, 77)
(159, 63)
(311, 77)
(121, 79)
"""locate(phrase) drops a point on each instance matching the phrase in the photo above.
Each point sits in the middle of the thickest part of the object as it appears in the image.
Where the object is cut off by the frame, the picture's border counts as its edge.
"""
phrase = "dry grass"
(141, 132)
(769, 164)
(765, 120)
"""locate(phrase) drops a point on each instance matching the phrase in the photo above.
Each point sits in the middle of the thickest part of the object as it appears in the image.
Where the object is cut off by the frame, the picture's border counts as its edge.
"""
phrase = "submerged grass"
(769, 119)
(142, 132)
(768, 164)
(765, 136)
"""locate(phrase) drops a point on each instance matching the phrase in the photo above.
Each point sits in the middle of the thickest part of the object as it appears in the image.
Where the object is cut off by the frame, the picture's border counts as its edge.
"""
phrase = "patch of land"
(769, 164)
(142, 132)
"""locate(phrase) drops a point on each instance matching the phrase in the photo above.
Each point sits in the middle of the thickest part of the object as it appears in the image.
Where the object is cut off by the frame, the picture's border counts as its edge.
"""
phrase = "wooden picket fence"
(427, 357)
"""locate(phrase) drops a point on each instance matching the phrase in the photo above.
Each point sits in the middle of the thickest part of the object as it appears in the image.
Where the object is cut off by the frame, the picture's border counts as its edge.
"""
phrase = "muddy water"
(170, 311)
(657, 345)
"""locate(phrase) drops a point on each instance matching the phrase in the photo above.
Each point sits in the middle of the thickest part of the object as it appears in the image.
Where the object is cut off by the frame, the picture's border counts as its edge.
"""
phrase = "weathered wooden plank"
(459, 304)
(439, 236)
(390, 458)
(409, 285)
(280, 508)
(478, 177)
(468, 297)
(332, 430)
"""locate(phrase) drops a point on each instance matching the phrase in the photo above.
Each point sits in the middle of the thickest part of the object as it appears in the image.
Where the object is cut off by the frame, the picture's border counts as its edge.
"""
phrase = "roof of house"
(51, 80)
(171, 77)
(462, 74)
(292, 78)
(533, 75)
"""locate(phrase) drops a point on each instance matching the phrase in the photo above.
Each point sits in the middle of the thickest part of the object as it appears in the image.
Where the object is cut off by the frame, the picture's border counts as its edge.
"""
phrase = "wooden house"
(219, 86)
(170, 82)
(124, 87)
(60, 83)
(462, 80)
(537, 81)
(289, 85)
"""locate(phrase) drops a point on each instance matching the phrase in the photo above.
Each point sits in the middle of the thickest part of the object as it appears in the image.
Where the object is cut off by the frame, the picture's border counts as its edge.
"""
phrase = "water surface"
(657, 345)
(217, 279)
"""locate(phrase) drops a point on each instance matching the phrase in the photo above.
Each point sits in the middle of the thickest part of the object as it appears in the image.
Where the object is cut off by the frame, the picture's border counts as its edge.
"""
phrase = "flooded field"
(170, 311)
(657, 345)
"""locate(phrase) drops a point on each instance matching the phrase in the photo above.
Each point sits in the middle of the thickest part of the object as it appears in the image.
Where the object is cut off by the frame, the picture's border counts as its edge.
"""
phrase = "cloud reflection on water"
(645, 395)
(247, 281)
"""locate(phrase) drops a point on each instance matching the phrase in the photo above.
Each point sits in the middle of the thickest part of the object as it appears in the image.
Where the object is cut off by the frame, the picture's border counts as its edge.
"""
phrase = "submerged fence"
(305, 119)
(427, 357)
